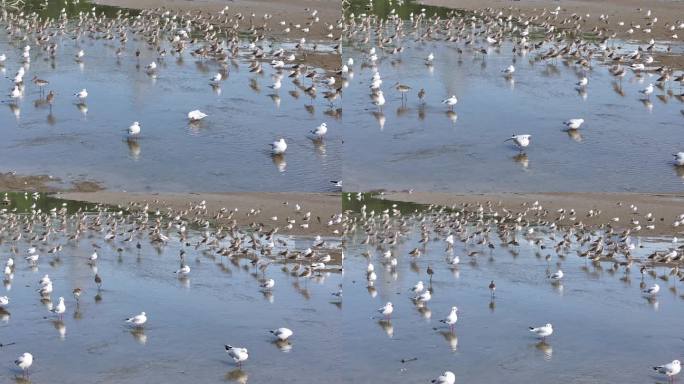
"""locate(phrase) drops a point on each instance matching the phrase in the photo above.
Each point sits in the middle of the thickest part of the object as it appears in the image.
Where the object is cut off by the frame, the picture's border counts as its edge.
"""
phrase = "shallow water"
(605, 331)
(227, 151)
(625, 144)
(189, 320)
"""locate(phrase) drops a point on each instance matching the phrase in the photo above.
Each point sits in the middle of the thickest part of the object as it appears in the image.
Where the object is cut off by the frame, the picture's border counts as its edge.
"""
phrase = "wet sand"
(667, 13)
(10, 181)
(321, 205)
(664, 207)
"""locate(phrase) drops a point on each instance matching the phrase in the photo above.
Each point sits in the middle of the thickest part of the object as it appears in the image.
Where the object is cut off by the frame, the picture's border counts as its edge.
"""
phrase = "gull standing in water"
(556, 276)
(237, 354)
(647, 91)
(452, 318)
(282, 333)
(82, 94)
(387, 309)
(450, 101)
(24, 362)
(279, 147)
(134, 129)
(196, 115)
(138, 320)
(60, 308)
(652, 290)
(670, 369)
(544, 331)
(521, 141)
(573, 123)
(320, 131)
(447, 377)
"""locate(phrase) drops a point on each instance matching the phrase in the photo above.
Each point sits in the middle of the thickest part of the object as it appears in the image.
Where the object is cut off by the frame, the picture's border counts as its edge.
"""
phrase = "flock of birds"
(482, 227)
(222, 38)
(547, 37)
(28, 234)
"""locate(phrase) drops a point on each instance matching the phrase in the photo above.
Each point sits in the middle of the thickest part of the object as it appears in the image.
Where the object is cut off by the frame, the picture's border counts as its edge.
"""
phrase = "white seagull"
(557, 275)
(447, 377)
(387, 309)
(237, 354)
(652, 290)
(138, 320)
(669, 369)
(450, 101)
(543, 331)
(24, 362)
(522, 141)
(60, 308)
(196, 115)
(452, 318)
(573, 123)
(282, 333)
(184, 270)
(320, 131)
(279, 147)
(82, 94)
(268, 284)
(679, 158)
(134, 129)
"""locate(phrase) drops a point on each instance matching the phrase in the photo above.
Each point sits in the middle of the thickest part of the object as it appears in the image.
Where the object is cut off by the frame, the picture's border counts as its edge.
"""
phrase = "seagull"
(387, 309)
(268, 284)
(60, 308)
(4, 300)
(452, 318)
(138, 320)
(279, 147)
(509, 70)
(582, 82)
(543, 331)
(184, 270)
(652, 290)
(217, 77)
(450, 101)
(423, 297)
(24, 362)
(82, 94)
(573, 123)
(196, 115)
(679, 158)
(556, 276)
(419, 287)
(237, 354)
(670, 369)
(447, 377)
(647, 91)
(133, 130)
(522, 141)
(320, 131)
(93, 257)
(282, 333)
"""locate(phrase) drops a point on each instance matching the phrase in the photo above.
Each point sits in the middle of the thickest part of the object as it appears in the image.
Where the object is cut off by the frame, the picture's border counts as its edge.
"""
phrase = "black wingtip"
(228, 347)
(531, 328)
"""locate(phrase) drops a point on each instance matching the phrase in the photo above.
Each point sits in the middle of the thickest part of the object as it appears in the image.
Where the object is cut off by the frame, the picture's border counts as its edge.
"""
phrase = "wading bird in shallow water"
(670, 369)
(24, 362)
(237, 354)
(521, 141)
(447, 377)
(544, 331)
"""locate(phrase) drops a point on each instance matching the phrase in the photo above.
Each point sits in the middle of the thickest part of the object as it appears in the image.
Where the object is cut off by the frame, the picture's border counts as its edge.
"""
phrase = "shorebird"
(82, 94)
(679, 158)
(508, 71)
(379, 99)
(544, 331)
(557, 275)
(237, 354)
(40, 83)
(582, 82)
(573, 123)
(447, 377)
(423, 297)
(403, 89)
(134, 129)
(492, 288)
(196, 115)
(24, 362)
(652, 290)
(184, 270)
(421, 96)
(77, 294)
(4, 301)
(450, 101)
(521, 141)
(282, 333)
(268, 284)
(60, 308)
(647, 91)
(670, 369)
(451, 318)
(278, 147)
(320, 131)
(419, 287)
(386, 310)
(138, 321)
